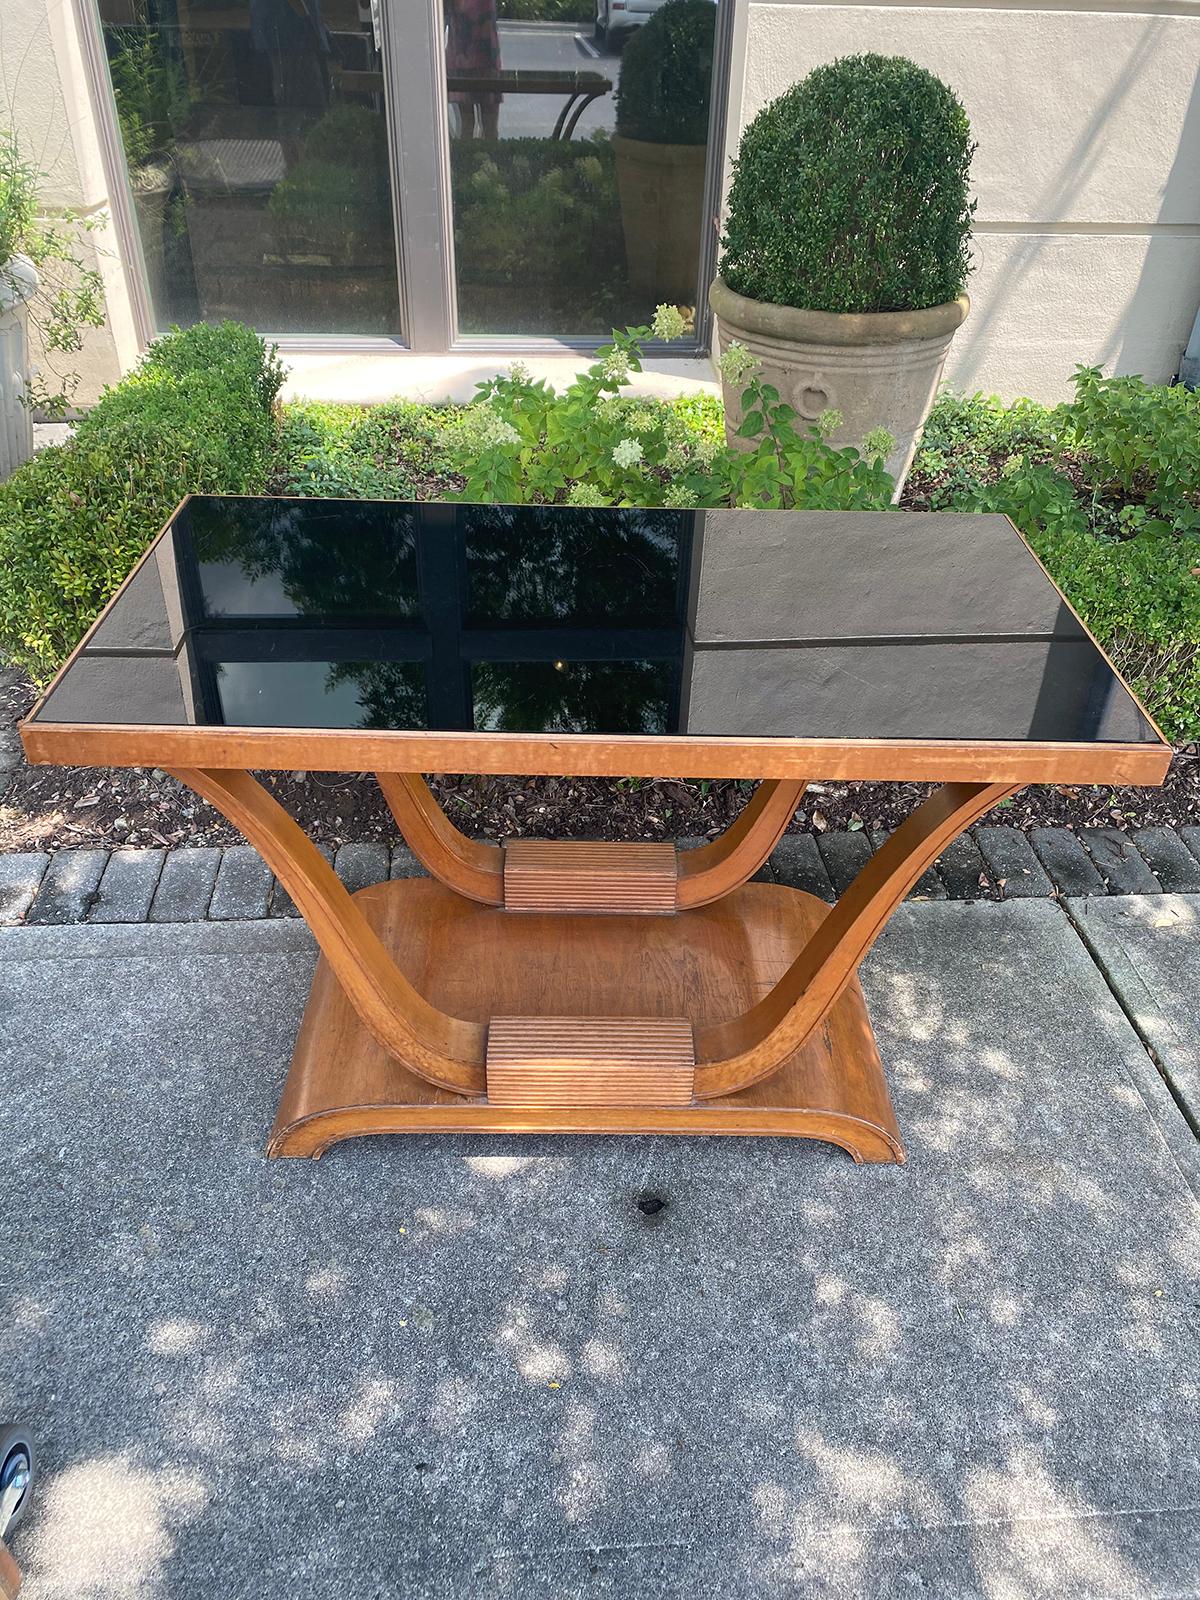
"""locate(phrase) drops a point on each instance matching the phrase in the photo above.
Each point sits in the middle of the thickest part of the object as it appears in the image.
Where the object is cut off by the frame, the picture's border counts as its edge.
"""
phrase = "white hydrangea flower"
(878, 444)
(706, 450)
(829, 421)
(668, 323)
(520, 373)
(678, 497)
(480, 428)
(615, 366)
(736, 363)
(585, 494)
(628, 453)
(640, 420)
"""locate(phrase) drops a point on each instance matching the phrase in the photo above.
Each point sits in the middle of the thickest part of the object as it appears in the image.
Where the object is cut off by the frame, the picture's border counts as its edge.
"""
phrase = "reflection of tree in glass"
(391, 693)
(332, 558)
(564, 564)
(572, 697)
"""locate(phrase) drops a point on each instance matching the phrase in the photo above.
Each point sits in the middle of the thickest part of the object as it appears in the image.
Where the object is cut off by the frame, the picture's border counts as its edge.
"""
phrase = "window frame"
(415, 101)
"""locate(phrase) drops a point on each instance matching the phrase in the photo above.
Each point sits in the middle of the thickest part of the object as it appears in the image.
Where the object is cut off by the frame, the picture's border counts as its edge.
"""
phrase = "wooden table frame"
(555, 1073)
(782, 1047)
(588, 987)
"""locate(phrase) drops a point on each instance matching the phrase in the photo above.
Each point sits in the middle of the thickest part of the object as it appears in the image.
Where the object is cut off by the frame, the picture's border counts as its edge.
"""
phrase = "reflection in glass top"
(384, 615)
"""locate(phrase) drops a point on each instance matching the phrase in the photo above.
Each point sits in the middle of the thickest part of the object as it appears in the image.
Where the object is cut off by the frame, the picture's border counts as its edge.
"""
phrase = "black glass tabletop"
(383, 615)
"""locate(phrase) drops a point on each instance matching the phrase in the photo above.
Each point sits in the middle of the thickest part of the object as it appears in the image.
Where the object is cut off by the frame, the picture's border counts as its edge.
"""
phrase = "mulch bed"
(51, 808)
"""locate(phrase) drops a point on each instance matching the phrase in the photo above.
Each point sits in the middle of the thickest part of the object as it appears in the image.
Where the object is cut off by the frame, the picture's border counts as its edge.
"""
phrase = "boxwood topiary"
(196, 416)
(666, 75)
(850, 192)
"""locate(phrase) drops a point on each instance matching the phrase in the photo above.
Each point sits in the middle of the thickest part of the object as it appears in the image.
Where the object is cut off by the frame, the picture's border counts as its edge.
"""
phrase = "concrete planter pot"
(153, 183)
(661, 187)
(880, 369)
(18, 283)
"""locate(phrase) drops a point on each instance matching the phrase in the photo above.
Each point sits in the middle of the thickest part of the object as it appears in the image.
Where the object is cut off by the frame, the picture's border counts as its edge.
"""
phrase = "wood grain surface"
(706, 966)
(589, 1061)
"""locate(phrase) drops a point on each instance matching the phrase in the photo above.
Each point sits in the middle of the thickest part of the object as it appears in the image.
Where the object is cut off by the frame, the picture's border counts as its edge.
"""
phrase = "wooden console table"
(574, 986)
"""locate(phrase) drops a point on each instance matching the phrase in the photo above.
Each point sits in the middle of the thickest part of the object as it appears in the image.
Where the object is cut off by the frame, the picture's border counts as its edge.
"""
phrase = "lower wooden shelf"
(478, 962)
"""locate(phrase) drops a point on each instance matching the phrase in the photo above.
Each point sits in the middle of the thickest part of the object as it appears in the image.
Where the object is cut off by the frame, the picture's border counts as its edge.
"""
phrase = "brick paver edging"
(195, 885)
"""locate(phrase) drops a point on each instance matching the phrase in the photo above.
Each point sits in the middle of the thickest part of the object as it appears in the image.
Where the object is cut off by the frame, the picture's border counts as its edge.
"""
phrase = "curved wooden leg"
(443, 1050)
(465, 865)
(713, 870)
(579, 876)
(731, 1056)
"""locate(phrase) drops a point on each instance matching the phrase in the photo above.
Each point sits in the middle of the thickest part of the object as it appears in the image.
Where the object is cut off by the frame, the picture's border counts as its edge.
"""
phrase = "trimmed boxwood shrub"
(850, 192)
(197, 416)
(666, 75)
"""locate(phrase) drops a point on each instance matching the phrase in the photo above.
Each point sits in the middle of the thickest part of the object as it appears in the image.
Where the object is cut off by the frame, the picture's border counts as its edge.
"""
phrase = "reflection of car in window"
(615, 19)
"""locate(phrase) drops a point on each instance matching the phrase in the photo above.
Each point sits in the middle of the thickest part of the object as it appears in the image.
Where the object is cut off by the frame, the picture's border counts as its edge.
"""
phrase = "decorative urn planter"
(661, 189)
(879, 369)
(18, 283)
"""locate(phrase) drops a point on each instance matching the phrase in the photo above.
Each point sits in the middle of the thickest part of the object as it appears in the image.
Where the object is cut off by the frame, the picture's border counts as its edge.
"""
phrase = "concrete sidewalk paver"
(1170, 860)
(360, 865)
(798, 864)
(1012, 865)
(452, 1368)
(282, 904)
(844, 855)
(186, 885)
(404, 863)
(1066, 861)
(68, 890)
(127, 887)
(20, 876)
(960, 867)
(242, 891)
(928, 886)
(1149, 949)
(1121, 867)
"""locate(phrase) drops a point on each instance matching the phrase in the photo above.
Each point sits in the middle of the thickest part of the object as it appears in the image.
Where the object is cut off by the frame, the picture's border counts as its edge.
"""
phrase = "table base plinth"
(479, 962)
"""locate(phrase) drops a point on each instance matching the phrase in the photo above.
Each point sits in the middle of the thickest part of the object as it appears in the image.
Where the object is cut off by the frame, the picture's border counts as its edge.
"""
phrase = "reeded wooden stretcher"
(573, 986)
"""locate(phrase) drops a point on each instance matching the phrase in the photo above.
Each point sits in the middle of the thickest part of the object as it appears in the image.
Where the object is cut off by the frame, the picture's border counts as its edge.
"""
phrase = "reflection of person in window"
(293, 36)
(473, 51)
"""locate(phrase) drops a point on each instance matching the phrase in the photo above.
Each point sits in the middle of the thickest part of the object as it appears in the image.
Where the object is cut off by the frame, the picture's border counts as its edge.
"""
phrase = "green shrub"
(522, 443)
(546, 10)
(666, 75)
(336, 202)
(850, 192)
(1141, 598)
(197, 416)
(1139, 442)
(535, 212)
(150, 89)
(1105, 489)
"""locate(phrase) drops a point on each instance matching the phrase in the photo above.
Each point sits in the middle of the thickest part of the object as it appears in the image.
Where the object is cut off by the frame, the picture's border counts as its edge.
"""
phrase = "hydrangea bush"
(521, 442)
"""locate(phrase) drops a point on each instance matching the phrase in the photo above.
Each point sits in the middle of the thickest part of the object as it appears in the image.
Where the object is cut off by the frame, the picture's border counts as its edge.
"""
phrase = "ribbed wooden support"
(590, 1061)
(579, 876)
